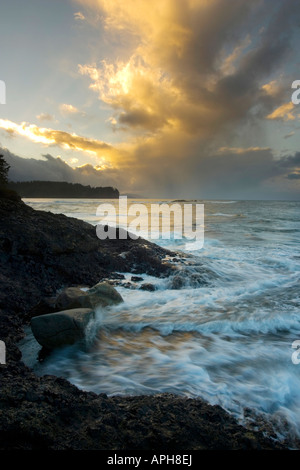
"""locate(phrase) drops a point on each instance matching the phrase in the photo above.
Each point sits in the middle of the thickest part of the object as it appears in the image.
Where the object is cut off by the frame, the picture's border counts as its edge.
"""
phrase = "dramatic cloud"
(186, 72)
(62, 139)
(248, 173)
(195, 73)
(191, 87)
(55, 169)
(230, 172)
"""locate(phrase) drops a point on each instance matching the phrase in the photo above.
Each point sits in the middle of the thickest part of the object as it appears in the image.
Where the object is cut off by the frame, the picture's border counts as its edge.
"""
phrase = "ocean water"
(226, 338)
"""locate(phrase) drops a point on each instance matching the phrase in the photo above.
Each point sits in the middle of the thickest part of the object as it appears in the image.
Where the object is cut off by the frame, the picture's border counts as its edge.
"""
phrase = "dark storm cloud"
(56, 169)
(294, 176)
(230, 172)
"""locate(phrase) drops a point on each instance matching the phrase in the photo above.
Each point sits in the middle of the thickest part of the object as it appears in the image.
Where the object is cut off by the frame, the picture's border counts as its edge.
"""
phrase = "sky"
(163, 99)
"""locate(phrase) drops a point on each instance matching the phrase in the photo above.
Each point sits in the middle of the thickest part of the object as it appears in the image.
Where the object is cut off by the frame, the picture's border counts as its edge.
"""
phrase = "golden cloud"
(190, 68)
(62, 139)
(188, 76)
(241, 151)
(283, 112)
(171, 79)
(271, 88)
(68, 109)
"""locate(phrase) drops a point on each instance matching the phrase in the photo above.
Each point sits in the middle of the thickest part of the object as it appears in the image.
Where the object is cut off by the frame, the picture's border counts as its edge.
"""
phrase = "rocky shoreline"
(41, 253)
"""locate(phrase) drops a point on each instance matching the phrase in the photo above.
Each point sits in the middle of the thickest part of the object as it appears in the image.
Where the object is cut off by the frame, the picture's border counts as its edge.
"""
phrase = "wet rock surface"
(57, 329)
(41, 253)
(50, 413)
(102, 294)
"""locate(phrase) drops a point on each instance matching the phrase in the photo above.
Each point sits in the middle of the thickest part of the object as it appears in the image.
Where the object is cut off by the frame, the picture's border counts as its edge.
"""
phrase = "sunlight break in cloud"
(170, 80)
(193, 67)
(183, 79)
(188, 77)
(63, 139)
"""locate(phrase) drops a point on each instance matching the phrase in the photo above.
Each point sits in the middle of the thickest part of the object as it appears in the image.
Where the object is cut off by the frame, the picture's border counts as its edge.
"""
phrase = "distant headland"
(61, 189)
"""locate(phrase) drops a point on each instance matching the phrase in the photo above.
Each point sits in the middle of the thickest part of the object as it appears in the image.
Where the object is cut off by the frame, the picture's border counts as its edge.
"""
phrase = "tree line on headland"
(61, 189)
(53, 189)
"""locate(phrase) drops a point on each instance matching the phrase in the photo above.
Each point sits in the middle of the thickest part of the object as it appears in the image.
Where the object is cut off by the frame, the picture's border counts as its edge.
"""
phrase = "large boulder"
(61, 328)
(101, 294)
(72, 297)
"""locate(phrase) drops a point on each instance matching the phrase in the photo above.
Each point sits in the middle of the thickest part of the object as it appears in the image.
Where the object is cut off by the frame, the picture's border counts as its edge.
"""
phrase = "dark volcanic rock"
(136, 278)
(60, 328)
(101, 294)
(148, 286)
(50, 413)
(40, 253)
